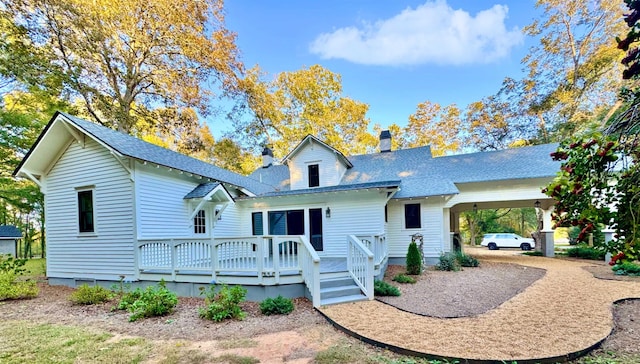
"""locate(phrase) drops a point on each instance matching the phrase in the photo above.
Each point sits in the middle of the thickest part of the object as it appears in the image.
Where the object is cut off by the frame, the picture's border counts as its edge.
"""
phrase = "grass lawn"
(69, 344)
(36, 268)
(24, 341)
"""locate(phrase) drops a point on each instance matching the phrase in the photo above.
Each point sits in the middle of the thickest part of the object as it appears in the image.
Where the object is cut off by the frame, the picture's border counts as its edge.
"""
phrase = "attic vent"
(385, 141)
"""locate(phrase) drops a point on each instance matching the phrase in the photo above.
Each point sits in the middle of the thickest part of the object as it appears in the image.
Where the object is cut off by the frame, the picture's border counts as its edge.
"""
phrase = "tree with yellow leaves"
(124, 58)
(294, 104)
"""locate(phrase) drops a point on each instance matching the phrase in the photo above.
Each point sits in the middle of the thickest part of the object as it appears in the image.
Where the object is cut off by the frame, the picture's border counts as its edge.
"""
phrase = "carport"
(512, 193)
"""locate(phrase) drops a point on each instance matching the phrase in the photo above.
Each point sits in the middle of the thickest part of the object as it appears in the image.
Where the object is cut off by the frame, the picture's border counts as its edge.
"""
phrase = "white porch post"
(547, 242)
(608, 236)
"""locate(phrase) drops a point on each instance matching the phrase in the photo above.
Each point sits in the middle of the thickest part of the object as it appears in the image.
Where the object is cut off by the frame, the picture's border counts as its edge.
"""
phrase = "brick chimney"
(267, 157)
(385, 141)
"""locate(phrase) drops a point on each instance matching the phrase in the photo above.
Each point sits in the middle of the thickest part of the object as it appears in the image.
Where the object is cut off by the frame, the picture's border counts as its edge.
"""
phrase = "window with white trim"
(412, 219)
(200, 223)
(314, 175)
(86, 223)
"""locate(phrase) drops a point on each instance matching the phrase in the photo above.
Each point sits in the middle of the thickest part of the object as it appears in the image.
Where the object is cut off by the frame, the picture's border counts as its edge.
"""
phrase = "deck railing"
(310, 261)
(360, 264)
(253, 256)
(175, 255)
(377, 244)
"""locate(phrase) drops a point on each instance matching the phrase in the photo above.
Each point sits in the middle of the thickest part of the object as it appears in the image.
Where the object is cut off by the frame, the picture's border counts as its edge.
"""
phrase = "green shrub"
(403, 278)
(8, 264)
(224, 304)
(11, 287)
(90, 295)
(466, 260)
(152, 301)
(533, 253)
(382, 288)
(585, 252)
(627, 269)
(448, 262)
(414, 259)
(276, 306)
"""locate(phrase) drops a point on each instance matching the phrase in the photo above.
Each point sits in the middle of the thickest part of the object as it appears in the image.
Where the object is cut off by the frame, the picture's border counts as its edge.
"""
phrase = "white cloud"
(430, 33)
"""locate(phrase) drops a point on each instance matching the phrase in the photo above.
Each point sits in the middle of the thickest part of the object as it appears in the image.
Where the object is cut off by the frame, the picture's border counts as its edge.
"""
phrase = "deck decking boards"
(333, 265)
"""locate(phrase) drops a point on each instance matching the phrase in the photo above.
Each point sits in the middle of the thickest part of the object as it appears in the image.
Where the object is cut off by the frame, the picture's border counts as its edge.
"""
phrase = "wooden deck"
(333, 265)
(260, 261)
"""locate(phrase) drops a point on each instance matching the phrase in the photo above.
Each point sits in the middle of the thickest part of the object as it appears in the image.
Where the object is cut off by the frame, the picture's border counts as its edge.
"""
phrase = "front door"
(315, 228)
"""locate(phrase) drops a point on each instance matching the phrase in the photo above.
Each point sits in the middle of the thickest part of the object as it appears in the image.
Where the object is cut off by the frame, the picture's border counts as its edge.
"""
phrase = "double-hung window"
(200, 223)
(412, 218)
(86, 223)
(256, 224)
(314, 175)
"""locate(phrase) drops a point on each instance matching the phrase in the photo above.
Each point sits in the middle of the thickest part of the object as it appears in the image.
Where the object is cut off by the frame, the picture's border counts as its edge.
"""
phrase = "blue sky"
(391, 55)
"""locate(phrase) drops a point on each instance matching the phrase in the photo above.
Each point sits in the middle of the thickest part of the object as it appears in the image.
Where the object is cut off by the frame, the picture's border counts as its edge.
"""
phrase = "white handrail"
(310, 261)
(360, 265)
(377, 244)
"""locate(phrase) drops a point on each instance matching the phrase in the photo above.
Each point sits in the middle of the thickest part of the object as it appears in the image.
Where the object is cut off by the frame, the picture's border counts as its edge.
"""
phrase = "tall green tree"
(123, 58)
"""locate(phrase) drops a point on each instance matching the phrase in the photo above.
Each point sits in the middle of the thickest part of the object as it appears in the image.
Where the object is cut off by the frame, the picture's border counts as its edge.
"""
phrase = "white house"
(319, 224)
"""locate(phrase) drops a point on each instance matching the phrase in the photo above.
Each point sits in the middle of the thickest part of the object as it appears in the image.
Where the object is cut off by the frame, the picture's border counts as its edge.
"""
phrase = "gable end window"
(412, 218)
(200, 223)
(85, 211)
(314, 175)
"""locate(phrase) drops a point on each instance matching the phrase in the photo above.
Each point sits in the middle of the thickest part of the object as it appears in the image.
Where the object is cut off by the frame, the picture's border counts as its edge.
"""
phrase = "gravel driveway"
(565, 311)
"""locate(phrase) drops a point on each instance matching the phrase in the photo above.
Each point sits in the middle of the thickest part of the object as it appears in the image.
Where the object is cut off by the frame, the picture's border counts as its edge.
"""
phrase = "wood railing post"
(260, 258)
(173, 259)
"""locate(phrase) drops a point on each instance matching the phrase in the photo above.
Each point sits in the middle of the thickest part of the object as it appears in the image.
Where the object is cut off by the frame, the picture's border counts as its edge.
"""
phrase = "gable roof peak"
(311, 139)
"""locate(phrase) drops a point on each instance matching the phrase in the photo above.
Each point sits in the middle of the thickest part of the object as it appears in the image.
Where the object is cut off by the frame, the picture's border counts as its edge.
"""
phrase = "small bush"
(276, 306)
(533, 253)
(414, 259)
(403, 278)
(466, 260)
(8, 264)
(585, 252)
(382, 288)
(627, 269)
(11, 287)
(90, 295)
(448, 262)
(224, 304)
(152, 301)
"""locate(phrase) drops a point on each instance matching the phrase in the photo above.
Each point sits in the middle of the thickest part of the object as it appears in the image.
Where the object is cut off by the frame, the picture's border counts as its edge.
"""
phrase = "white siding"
(399, 237)
(503, 191)
(109, 253)
(330, 168)
(229, 225)
(356, 212)
(162, 210)
(359, 214)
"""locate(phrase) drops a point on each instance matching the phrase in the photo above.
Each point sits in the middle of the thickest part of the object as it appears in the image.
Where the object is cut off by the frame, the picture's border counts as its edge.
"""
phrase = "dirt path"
(565, 311)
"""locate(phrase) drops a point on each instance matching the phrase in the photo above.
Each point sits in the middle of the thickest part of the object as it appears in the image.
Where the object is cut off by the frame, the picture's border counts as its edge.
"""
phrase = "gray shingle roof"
(276, 176)
(338, 188)
(423, 176)
(516, 163)
(201, 190)
(411, 166)
(10, 231)
(135, 148)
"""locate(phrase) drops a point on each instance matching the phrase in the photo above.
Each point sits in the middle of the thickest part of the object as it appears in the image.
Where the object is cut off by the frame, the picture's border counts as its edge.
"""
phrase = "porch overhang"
(212, 192)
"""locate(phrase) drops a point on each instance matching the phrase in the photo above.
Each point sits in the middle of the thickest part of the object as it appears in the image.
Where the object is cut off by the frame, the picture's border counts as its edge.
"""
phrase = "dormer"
(313, 164)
